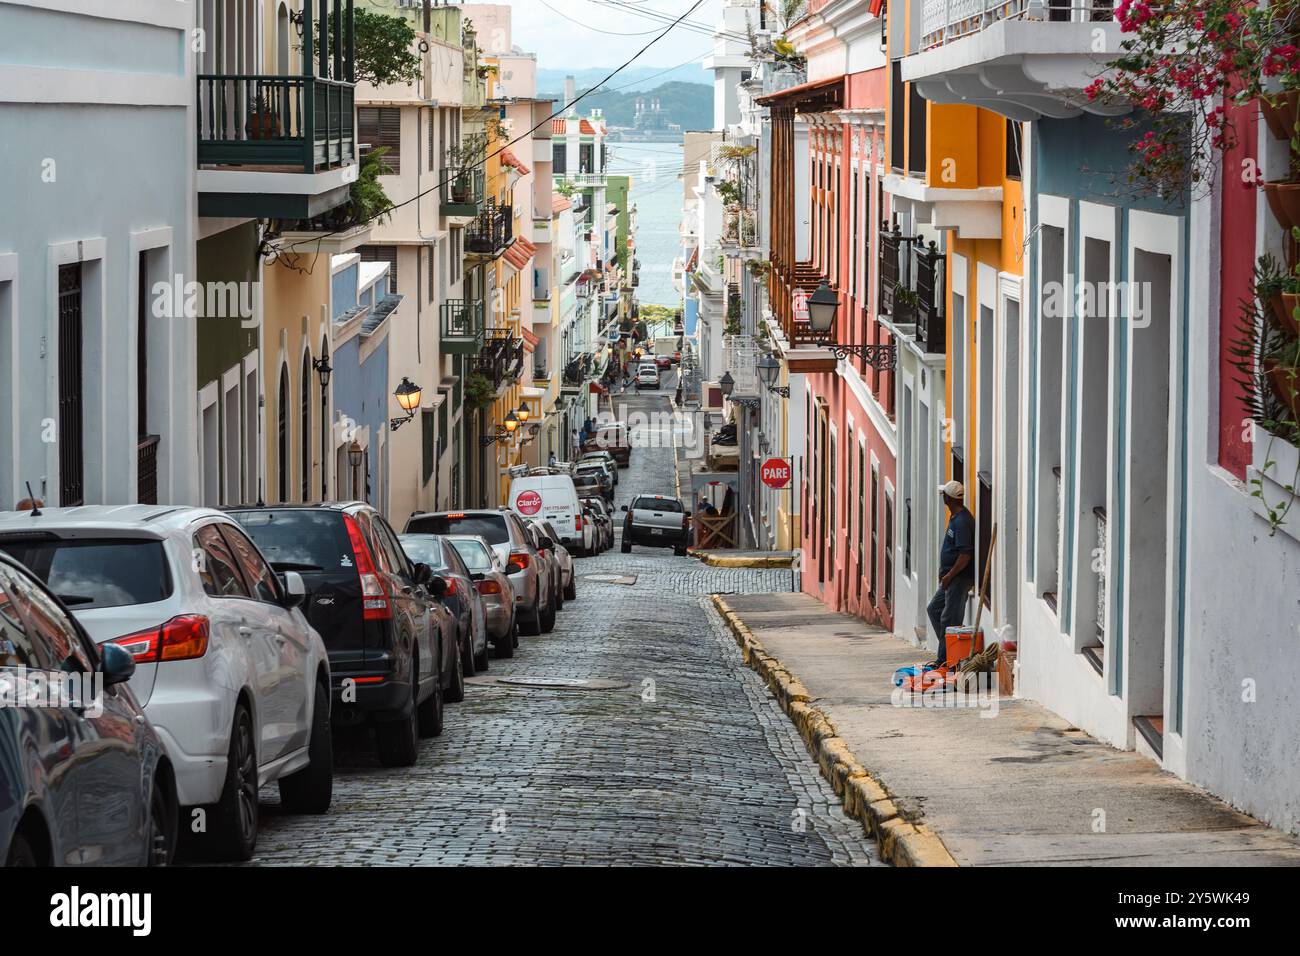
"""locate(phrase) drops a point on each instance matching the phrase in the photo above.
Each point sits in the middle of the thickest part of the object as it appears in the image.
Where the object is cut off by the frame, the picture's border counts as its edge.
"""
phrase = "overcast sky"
(567, 34)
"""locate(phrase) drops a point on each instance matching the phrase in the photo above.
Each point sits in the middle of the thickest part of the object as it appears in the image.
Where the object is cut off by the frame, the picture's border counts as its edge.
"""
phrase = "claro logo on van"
(528, 503)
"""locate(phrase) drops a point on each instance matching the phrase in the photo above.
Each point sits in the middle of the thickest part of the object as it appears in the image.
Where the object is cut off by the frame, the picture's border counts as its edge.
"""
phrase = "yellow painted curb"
(728, 561)
(863, 797)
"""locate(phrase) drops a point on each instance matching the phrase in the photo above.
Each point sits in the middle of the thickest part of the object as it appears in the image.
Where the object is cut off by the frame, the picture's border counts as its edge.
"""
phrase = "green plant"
(478, 390)
(383, 48)
(367, 200)
(567, 189)
(758, 267)
(728, 192)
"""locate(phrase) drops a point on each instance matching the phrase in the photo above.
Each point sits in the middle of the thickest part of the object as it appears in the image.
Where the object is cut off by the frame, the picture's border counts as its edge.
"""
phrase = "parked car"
(545, 546)
(612, 437)
(647, 376)
(393, 653)
(663, 361)
(552, 498)
(566, 584)
(601, 456)
(491, 577)
(589, 486)
(603, 519)
(604, 471)
(461, 597)
(506, 532)
(658, 521)
(79, 785)
(228, 669)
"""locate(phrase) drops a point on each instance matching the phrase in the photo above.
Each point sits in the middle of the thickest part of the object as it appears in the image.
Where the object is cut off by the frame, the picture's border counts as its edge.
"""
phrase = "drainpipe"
(428, 17)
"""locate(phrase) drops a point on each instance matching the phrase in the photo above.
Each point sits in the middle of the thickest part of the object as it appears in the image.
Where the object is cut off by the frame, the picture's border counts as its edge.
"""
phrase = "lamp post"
(355, 454)
(323, 370)
(408, 396)
(822, 306)
(726, 384)
(523, 412)
(768, 370)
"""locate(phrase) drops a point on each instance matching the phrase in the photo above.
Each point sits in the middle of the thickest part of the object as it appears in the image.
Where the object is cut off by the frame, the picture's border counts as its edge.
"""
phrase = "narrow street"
(690, 762)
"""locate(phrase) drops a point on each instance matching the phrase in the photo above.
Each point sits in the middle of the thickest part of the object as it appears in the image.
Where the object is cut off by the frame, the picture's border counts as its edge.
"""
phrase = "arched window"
(282, 453)
(304, 438)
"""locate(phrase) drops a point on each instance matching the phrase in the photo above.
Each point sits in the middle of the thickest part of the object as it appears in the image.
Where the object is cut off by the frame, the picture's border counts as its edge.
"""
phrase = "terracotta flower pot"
(1284, 305)
(1284, 201)
(1286, 385)
(1282, 118)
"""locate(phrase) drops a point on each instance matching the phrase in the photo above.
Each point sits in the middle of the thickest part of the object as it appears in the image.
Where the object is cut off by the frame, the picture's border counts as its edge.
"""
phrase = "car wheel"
(532, 623)
(311, 789)
(456, 689)
(232, 826)
(469, 662)
(626, 547)
(548, 619)
(571, 590)
(679, 550)
(162, 825)
(505, 645)
(398, 741)
(481, 660)
(20, 852)
(557, 599)
(429, 714)
(514, 636)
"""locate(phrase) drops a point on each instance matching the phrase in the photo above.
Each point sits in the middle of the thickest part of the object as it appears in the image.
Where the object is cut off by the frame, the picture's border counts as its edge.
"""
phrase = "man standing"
(956, 566)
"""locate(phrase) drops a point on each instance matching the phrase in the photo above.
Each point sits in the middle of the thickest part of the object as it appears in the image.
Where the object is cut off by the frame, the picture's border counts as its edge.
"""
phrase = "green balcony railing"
(462, 326)
(462, 191)
(302, 123)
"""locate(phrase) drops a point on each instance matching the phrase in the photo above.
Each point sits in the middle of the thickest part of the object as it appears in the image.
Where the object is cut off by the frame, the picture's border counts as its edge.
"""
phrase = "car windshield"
(97, 572)
(424, 549)
(475, 556)
(299, 539)
(657, 504)
(489, 526)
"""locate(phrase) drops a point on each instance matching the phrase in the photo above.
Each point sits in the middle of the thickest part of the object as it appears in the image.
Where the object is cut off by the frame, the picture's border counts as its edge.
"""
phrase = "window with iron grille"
(381, 126)
(70, 387)
(427, 442)
(443, 429)
(559, 157)
(887, 594)
(383, 254)
(875, 529)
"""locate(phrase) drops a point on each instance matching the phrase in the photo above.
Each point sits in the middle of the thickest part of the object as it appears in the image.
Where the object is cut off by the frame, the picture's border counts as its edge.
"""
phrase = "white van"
(553, 498)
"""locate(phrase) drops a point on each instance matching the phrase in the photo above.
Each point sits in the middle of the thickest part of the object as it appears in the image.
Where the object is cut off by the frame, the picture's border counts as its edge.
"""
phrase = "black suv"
(392, 643)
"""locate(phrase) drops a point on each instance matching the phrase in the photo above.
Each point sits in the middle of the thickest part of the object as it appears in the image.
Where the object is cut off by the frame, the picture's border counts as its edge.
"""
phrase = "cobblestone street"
(691, 762)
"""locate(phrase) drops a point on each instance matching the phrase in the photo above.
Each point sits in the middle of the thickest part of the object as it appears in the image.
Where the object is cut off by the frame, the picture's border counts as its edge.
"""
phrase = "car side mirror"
(513, 568)
(423, 573)
(295, 592)
(116, 663)
(438, 585)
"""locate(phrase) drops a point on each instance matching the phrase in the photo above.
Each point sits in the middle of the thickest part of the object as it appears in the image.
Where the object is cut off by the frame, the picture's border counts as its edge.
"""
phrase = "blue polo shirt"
(958, 539)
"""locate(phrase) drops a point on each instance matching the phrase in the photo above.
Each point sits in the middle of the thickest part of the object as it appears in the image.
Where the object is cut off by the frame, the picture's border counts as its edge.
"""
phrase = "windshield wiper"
(295, 566)
(76, 599)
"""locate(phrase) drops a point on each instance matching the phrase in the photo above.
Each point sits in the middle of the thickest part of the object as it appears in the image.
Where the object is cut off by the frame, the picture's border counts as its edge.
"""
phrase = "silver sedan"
(491, 578)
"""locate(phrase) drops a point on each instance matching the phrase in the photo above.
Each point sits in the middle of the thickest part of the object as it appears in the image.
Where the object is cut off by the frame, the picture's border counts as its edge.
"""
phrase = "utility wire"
(481, 162)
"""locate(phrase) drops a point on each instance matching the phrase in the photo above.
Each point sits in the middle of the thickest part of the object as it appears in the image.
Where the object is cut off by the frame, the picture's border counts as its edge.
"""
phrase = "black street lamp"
(323, 370)
(726, 384)
(355, 455)
(822, 306)
(503, 432)
(768, 370)
(408, 396)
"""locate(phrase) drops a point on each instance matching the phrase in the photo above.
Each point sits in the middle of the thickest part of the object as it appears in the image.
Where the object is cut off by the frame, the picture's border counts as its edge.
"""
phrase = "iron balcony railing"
(912, 287)
(462, 319)
(1099, 563)
(462, 191)
(491, 231)
(930, 329)
(943, 21)
(501, 359)
(299, 122)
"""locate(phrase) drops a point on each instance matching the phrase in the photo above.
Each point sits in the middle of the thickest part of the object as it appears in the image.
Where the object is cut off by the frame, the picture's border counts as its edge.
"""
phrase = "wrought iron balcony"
(912, 288)
(302, 123)
(462, 326)
(462, 191)
(490, 232)
(147, 469)
(501, 359)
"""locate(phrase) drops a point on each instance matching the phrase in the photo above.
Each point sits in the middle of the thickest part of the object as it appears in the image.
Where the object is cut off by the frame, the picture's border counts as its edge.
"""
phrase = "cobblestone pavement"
(692, 762)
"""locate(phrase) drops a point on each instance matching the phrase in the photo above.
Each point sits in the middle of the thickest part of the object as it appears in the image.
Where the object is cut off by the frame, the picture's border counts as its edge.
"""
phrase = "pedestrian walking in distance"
(956, 566)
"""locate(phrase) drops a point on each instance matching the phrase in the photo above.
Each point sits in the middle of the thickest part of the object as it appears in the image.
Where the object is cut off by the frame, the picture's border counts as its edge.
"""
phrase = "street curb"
(726, 561)
(901, 841)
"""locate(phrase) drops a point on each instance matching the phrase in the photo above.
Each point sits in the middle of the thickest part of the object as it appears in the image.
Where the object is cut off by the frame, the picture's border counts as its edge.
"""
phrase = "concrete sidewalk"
(1020, 787)
(729, 558)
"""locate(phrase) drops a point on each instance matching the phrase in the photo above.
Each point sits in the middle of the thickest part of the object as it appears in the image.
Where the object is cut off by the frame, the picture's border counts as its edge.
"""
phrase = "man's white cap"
(954, 489)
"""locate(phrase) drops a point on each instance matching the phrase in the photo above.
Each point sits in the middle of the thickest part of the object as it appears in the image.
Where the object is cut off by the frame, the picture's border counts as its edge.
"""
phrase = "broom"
(983, 661)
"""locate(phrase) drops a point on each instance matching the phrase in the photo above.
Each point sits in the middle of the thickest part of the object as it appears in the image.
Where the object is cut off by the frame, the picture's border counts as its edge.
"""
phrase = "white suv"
(227, 668)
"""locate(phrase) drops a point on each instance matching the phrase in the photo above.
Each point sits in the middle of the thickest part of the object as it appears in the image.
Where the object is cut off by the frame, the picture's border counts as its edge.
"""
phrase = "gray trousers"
(948, 609)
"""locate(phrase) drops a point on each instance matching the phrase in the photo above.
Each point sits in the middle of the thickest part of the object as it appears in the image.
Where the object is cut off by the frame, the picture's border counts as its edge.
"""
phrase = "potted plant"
(263, 123)
(478, 390)
(1280, 291)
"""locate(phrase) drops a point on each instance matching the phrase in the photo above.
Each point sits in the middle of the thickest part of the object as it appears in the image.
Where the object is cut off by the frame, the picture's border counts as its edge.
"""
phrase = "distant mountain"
(689, 105)
(632, 79)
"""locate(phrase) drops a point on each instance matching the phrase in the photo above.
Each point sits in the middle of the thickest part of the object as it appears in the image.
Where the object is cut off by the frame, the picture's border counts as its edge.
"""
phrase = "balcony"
(501, 358)
(281, 147)
(1024, 59)
(491, 231)
(462, 326)
(912, 290)
(462, 192)
(589, 180)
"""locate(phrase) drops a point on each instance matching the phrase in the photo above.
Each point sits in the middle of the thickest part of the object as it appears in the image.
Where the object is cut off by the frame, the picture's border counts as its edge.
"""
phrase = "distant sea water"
(657, 194)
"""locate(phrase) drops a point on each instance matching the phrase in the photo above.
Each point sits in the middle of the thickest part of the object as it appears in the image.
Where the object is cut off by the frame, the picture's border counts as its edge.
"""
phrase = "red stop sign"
(775, 472)
(528, 503)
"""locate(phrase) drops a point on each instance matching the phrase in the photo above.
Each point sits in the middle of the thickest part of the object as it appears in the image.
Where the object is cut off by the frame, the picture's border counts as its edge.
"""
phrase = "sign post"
(777, 474)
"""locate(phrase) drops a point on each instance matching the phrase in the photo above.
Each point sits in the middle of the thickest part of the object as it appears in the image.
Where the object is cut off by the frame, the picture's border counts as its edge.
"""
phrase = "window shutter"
(382, 126)
(383, 254)
(426, 434)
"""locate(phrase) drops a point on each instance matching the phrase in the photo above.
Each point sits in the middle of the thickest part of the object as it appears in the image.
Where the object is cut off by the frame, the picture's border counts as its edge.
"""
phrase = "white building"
(97, 189)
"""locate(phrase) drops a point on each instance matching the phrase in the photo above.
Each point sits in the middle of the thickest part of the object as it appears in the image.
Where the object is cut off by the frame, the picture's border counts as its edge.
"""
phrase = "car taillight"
(182, 638)
(451, 586)
(488, 587)
(577, 522)
(374, 599)
(686, 521)
(521, 558)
